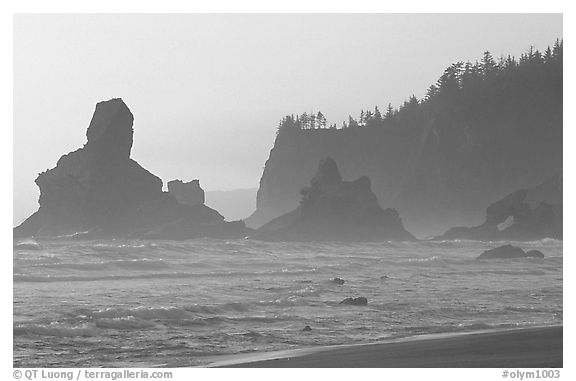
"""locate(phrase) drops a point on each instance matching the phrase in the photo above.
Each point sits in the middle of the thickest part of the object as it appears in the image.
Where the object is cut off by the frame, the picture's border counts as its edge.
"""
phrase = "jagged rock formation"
(96, 183)
(438, 161)
(509, 252)
(527, 214)
(186, 193)
(436, 177)
(335, 210)
(98, 191)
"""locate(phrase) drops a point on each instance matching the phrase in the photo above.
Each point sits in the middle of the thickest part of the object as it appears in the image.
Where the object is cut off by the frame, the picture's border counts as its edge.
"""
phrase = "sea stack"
(98, 191)
(524, 215)
(94, 184)
(332, 209)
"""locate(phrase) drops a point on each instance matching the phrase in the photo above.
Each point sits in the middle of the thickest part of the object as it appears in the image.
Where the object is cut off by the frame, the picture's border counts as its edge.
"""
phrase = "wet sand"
(517, 348)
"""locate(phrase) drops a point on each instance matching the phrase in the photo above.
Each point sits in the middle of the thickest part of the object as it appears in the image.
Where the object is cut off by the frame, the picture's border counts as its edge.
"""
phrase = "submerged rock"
(359, 301)
(98, 191)
(338, 281)
(524, 215)
(509, 252)
(335, 210)
(307, 329)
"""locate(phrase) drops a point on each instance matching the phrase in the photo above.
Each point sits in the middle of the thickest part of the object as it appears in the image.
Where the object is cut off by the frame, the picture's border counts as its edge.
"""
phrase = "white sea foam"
(27, 245)
(55, 330)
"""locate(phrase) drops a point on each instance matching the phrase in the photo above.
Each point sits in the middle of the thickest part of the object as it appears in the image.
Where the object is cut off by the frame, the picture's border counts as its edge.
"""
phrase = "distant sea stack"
(335, 210)
(524, 215)
(482, 131)
(99, 191)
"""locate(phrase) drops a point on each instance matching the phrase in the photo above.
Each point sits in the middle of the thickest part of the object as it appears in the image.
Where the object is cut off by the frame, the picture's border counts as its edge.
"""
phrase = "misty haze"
(267, 190)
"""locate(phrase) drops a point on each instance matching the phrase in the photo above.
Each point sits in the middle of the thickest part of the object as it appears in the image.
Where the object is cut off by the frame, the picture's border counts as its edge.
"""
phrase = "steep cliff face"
(481, 133)
(527, 214)
(384, 156)
(434, 180)
(335, 210)
(98, 191)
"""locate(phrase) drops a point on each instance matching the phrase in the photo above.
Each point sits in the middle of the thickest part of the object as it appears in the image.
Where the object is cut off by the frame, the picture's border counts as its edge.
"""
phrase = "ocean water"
(166, 303)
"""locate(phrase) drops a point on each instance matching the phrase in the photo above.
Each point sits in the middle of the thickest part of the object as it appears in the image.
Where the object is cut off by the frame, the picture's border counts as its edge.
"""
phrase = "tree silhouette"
(489, 66)
(377, 115)
(321, 120)
(389, 111)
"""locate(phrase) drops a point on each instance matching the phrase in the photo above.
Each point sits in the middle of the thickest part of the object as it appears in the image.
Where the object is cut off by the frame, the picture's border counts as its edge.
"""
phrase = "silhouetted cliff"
(483, 131)
(335, 210)
(99, 191)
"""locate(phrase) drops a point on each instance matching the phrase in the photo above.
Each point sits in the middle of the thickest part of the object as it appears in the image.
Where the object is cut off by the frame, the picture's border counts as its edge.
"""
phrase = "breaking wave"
(158, 302)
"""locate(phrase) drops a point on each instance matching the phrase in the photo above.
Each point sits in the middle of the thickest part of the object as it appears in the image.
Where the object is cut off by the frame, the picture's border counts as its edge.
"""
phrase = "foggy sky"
(207, 91)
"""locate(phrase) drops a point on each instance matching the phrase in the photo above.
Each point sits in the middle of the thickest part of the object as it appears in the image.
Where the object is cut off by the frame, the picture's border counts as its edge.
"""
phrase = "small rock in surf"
(359, 301)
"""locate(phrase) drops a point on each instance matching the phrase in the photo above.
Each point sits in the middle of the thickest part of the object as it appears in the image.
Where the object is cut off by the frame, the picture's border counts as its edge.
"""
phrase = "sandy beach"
(522, 348)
